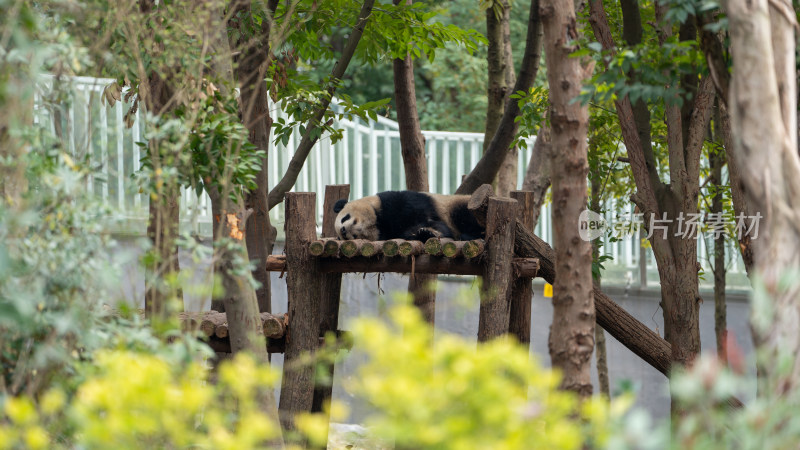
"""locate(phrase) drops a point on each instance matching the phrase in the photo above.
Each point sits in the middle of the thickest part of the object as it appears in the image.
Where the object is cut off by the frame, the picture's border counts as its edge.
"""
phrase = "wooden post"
(495, 292)
(331, 291)
(304, 289)
(521, 289)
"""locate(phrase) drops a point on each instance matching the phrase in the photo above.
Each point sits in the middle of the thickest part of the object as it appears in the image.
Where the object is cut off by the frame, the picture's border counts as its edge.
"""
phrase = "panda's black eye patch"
(346, 216)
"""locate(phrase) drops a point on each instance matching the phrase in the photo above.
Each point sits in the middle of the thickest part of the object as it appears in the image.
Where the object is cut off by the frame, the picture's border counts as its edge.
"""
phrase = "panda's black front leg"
(423, 232)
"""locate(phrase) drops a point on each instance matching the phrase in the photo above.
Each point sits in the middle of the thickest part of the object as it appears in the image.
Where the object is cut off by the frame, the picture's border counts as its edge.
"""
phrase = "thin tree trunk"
(17, 113)
(251, 68)
(412, 143)
(676, 256)
(500, 81)
(537, 177)
(716, 160)
(241, 305)
(599, 334)
(572, 332)
(739, 197)
(489, 164)
(164, 206)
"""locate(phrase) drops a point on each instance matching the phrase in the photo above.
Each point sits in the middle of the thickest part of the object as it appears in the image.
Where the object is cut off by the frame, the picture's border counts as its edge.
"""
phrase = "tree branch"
(642, 166)
(296, 164)
(487, 167)
(711, 45)
(701, 115)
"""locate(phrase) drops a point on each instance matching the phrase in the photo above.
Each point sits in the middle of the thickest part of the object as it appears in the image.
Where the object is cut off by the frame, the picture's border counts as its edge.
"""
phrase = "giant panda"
(406, 215)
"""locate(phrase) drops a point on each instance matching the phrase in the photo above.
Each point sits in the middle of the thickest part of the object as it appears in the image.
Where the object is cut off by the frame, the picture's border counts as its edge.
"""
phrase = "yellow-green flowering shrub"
(451, 394)
(134, 400)
(454, 395)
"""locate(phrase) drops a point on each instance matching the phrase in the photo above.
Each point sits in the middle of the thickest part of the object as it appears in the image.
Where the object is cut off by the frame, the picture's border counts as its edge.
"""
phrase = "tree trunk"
(572, 333)
(163, 210)
(762, 104)
(739, 197)
(245, 330)
(17, 113)
(501, 80)
(716, 160)
(412, 143)
(599, 334)
(537, 177)
(675, 202)
(253, 60)
(493, 157)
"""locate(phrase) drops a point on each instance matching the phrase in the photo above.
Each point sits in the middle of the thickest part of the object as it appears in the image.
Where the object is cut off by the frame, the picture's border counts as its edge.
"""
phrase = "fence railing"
(368, 157)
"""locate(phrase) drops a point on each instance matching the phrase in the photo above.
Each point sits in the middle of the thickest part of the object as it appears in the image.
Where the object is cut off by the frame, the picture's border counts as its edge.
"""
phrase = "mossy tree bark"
(571, 340)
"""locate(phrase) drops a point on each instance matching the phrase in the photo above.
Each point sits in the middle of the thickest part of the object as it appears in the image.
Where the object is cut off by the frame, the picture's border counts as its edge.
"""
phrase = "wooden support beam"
(331, 291)
(304, 289)
(522, 287)
(495, 307)
(633, 334)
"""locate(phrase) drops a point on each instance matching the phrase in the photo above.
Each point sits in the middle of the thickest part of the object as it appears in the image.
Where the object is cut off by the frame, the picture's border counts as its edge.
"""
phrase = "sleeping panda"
(406, 215)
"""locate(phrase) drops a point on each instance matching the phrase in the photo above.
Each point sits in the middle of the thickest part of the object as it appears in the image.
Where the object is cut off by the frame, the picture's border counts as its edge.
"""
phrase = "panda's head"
(357, 219)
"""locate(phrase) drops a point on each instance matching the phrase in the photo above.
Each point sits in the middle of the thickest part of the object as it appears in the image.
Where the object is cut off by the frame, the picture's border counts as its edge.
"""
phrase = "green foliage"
(533, 113)
(53, 275)
(658, 70)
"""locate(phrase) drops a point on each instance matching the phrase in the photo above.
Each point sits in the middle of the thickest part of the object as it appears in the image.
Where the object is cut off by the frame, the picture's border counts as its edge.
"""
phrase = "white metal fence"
(368, 158)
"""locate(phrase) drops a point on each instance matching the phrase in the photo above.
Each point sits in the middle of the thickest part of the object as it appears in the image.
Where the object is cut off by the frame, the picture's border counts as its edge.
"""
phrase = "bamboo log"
(410, 248)
(351, 248)
(452, 249)
(392, 247)
(473, 249)
(331, 247)
(317, 248)
(433, 246)
(495, 306)
(371, 248)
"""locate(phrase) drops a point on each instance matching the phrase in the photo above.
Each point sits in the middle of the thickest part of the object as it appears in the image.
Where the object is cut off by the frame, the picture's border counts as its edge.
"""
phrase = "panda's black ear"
(339, 205)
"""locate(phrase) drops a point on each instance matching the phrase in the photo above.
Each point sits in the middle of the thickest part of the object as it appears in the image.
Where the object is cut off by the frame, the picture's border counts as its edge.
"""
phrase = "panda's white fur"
(358, 219)
(406, 215)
